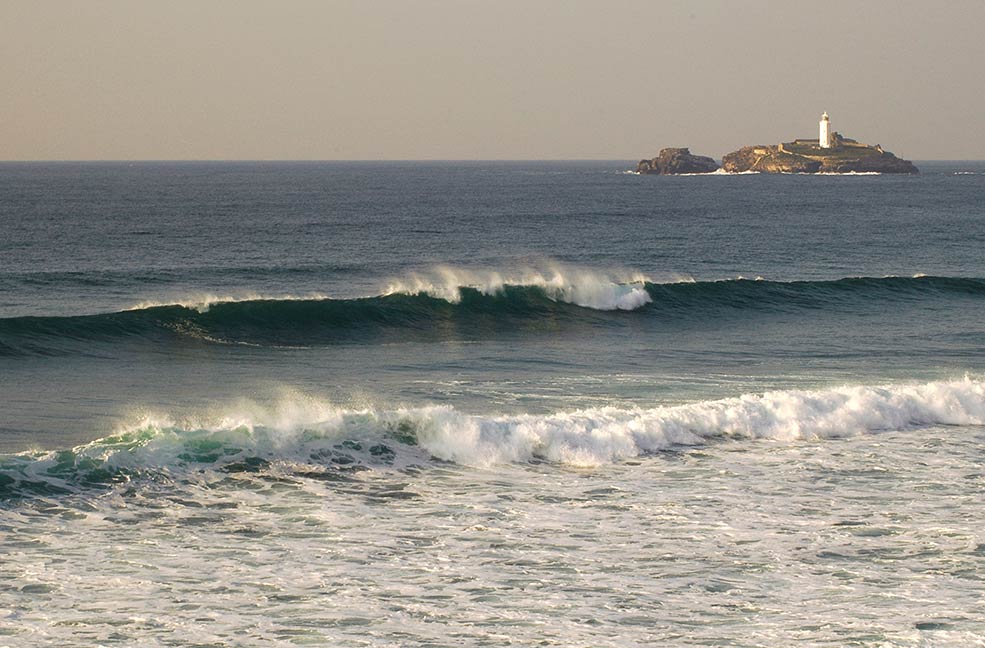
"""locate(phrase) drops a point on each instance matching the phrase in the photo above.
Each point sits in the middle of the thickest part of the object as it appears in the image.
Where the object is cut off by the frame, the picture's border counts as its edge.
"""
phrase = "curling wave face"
(317, 439)
(587, 288)
(458, 305)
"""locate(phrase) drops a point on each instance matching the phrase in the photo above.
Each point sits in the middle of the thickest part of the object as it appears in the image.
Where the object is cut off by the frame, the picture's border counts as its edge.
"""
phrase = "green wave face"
(510, 310)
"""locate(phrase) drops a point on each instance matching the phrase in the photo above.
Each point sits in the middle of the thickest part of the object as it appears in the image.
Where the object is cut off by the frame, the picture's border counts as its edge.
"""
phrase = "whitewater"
(511, 403)
(302, 431)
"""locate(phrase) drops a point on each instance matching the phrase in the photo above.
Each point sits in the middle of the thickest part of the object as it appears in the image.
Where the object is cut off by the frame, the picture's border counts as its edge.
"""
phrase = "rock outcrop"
(673, 161)
(767, 159)
(805, 156)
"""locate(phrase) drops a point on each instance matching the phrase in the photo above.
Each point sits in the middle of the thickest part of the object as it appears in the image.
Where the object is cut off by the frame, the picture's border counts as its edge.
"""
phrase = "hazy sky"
(457, 79)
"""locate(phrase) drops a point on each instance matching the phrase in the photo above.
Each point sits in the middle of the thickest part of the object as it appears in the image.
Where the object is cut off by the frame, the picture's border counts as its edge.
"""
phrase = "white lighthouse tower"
(824, 139)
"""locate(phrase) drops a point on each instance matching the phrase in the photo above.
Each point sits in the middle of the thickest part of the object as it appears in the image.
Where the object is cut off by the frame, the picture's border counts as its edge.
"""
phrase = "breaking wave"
(315, 439)
(586, 288)
(452, 304)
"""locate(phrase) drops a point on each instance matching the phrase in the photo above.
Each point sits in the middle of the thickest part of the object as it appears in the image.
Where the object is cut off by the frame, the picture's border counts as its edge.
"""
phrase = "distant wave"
(454, 304)
(201, 302)
(307, 435)
(593, 289)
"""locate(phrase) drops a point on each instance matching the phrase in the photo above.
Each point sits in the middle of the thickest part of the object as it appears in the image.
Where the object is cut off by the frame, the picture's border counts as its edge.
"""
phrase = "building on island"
(824, 140)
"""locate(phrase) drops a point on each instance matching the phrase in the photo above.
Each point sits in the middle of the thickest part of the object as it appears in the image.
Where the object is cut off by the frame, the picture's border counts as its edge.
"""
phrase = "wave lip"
(313, 434)
(595, 436)
(452, 304)
(202, 302)
(587, 288)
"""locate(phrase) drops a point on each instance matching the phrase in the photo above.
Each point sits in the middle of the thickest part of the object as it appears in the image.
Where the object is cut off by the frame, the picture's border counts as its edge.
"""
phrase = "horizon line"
(350, 160)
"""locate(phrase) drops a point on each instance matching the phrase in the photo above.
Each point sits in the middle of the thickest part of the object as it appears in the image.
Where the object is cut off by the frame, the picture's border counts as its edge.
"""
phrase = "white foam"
(594, 436)
(617, 289)
(201, 302)
(600, 290)
(717, 172)
(846, 173)
(299, 427)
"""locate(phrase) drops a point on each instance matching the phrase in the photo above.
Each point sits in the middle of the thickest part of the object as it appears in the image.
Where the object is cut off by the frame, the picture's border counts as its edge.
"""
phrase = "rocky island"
(805, 156)
(675, 161)
(830, 153)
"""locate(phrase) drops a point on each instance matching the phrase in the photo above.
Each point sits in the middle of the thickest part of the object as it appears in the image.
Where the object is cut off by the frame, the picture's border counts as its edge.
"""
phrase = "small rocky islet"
(677, 161)
(830, 153)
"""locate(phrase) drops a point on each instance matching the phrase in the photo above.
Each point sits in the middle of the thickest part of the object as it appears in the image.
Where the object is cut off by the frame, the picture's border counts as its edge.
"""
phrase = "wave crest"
(603, 435)
(614, 290)
(202, 302)
(466, 305)
(305, 432)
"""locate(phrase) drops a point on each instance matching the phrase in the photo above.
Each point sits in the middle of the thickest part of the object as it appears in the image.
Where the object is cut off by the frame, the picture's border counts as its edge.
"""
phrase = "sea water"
(490, 403)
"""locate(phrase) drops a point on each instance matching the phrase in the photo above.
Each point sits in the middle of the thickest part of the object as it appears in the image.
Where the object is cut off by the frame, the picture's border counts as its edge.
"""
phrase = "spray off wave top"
(458, 304)
(622, 290)
(310, 435)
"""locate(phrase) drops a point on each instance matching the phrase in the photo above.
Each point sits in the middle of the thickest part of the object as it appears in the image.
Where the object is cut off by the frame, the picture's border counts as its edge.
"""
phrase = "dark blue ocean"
(490, 403)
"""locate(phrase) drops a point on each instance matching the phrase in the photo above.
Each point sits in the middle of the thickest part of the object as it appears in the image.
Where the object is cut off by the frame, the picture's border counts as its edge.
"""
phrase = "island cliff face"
(674, 161)
(805, 156)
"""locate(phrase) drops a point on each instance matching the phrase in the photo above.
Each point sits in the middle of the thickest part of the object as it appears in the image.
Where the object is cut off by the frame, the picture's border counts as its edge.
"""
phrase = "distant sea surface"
(490, 403)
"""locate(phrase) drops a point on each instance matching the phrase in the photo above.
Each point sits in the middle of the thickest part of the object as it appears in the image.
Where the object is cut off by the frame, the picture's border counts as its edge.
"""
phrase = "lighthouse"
(824, 138)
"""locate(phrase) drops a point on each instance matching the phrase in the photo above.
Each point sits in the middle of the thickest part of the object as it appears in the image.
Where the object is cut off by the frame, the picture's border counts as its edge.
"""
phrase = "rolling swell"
(308, 439)
(474, 313)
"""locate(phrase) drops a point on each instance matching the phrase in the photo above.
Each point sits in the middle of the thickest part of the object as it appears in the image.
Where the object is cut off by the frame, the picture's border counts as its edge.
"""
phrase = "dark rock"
(884, 162)
(768, 159)
(673, 161)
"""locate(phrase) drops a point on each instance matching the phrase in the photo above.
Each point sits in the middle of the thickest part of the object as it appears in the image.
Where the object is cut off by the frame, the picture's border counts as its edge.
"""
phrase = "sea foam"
(599, 290)
(602, 435)
(590, 288)
(203, 301)
(304, 431)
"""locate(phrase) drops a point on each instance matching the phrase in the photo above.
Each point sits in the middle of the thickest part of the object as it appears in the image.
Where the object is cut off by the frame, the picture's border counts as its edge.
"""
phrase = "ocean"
(489, 404)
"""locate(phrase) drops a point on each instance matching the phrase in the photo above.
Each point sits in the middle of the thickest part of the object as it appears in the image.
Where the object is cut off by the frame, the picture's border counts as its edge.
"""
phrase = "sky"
(463, 79)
